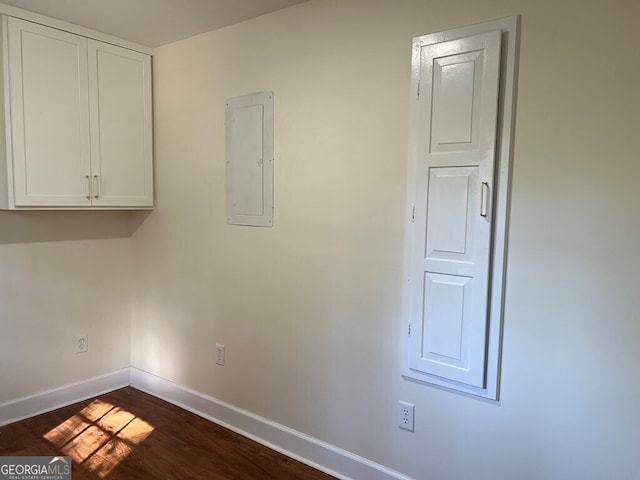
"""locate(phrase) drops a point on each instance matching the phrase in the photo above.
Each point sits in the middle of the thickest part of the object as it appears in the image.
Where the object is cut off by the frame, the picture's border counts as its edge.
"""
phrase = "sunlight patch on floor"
(100, 436)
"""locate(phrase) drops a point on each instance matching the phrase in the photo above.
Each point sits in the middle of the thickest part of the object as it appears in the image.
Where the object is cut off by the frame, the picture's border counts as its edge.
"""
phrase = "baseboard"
(304, 448)
(48, 400)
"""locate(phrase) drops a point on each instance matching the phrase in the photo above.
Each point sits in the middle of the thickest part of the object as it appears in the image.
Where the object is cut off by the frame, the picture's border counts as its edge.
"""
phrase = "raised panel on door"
(121, 129)
(49, 115)
(452, 200)
(447, 311)
(451, 244)
(458, 107)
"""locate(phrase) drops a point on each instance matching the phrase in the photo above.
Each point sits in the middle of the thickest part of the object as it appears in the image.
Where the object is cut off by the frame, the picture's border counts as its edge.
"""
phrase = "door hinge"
(408, 329)
(413, 214)
(418, 88)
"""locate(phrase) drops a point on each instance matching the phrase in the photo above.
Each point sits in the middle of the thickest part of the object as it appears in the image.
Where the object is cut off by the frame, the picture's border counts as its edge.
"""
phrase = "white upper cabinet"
(121, 130)
(48, 116)
(77, 121)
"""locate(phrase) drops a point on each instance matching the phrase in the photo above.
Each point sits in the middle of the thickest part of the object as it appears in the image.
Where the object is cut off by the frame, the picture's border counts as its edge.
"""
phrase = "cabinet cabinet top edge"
(16, 12)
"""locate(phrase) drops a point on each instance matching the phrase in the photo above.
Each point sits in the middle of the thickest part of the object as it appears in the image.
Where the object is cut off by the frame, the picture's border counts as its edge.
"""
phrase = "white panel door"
(49, 115)
(121, 129)
(451, 245)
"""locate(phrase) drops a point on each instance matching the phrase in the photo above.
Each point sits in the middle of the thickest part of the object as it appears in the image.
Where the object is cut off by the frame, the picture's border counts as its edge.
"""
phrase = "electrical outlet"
(82, 343)
(405, 415)
(219, 354)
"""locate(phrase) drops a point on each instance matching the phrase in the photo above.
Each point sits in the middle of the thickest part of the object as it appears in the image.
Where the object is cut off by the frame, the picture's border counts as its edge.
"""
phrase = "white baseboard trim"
(48, 400)
(304, 448)
(309, 450)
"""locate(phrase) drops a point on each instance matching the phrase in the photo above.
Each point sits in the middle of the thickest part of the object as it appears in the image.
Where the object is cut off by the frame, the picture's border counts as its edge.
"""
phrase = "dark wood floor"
(128, 434)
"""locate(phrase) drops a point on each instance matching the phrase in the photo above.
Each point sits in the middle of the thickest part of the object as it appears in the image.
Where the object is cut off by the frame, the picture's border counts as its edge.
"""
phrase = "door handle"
(88, 186)
(484, 199)
(95, 177)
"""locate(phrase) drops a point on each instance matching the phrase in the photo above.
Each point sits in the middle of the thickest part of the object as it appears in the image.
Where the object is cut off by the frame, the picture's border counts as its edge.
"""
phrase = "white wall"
(310, 310)
(62, 274)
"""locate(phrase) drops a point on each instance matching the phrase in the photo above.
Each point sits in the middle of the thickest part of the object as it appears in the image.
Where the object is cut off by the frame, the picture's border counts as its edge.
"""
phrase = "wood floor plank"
(128, 434)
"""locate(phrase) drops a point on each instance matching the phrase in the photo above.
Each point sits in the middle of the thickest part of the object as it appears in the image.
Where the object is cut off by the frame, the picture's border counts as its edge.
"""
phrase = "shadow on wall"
(53, 226)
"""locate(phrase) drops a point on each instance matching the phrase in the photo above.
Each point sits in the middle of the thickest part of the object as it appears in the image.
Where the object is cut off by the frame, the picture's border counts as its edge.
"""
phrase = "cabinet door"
(121, 129)
(453, 179)
(49, 116)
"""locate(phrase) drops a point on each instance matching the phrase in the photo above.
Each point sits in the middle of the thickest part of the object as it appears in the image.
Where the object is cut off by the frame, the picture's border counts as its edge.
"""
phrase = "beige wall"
(310, 310)
(62, 274)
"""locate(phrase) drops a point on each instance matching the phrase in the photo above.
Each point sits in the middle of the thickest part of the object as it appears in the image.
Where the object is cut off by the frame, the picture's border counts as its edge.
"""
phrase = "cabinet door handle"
(88, 186)
(95, 177)
(484, 190)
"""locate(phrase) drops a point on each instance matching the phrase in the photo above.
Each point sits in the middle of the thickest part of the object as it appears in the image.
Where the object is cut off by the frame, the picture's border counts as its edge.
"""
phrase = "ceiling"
(153, 22)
